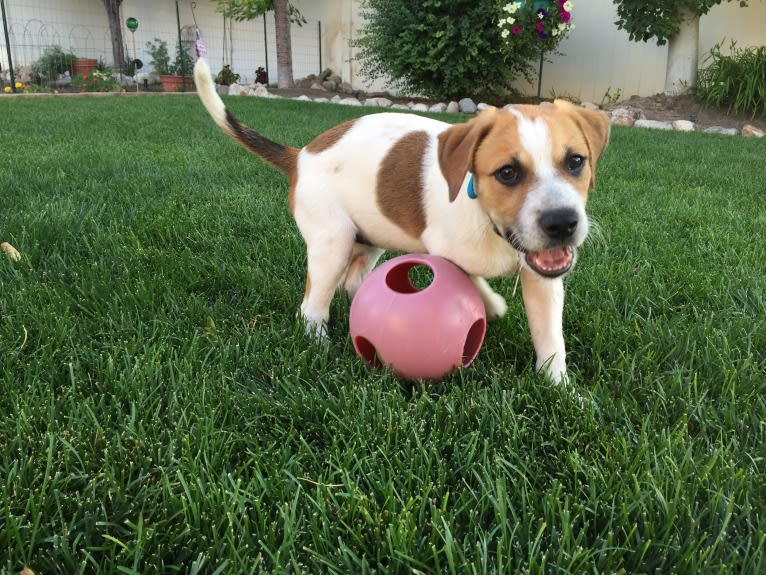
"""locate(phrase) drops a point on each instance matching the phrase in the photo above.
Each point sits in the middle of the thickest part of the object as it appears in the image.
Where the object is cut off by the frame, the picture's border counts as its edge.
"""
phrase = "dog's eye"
(508, 175)
(575, 163)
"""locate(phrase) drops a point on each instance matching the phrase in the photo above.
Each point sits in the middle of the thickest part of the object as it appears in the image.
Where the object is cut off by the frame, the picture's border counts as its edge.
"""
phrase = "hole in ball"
(409, 277)
(367, 351)
(473, 341)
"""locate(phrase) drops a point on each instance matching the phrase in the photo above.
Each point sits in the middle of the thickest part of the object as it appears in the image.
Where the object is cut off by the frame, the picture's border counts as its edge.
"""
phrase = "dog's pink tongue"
(551, 260)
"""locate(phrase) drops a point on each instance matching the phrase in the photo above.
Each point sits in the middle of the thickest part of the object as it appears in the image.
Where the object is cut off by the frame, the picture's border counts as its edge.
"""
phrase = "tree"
(115, 29)
(675, 22)
(284, 13)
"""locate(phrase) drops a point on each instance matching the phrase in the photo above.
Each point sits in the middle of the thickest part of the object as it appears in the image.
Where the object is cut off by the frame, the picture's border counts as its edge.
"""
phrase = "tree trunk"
(115, 28)
(284, 48)
(681, 71)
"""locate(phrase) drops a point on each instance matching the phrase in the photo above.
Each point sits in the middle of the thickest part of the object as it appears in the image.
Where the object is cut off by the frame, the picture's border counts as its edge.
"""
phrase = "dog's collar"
(471, 189)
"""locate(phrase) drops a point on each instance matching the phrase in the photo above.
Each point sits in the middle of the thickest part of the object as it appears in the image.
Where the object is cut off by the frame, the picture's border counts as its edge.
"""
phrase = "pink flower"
(516, 30)
(540, 27)
(565, 16)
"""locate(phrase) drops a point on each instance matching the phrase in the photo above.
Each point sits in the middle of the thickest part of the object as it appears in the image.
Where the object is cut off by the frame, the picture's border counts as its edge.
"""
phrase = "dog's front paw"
(554, 368)
(495, 305)
(315, 330)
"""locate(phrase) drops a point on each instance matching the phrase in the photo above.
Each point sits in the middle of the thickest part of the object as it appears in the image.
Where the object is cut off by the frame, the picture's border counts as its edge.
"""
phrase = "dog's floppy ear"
(595, 127)
(457, 146)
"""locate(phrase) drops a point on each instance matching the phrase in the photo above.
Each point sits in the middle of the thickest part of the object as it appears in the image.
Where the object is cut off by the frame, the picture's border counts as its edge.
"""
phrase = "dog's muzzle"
(559, 226)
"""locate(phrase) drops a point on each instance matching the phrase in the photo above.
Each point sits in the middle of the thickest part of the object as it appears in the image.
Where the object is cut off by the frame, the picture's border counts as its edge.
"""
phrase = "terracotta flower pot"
(83, 67)
(173, 83)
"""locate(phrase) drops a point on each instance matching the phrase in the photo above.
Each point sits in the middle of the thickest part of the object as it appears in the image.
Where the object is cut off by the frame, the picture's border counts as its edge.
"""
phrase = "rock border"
(624, 116)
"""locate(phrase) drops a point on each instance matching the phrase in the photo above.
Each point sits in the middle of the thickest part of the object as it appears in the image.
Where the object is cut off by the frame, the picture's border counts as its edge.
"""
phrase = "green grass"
(162, 411)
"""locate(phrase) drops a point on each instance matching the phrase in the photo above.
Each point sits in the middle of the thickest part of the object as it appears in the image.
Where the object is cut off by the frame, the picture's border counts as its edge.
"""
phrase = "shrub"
(447, 49)
(737, 80)
(51, 64)
(227, 76)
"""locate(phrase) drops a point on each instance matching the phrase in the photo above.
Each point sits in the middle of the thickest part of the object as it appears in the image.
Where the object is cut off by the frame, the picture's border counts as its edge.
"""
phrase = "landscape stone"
(316, 86)
(626, 116)
(467, 106)
(453, 107)
(420, 107)
(235, 90)
(654, 124)
(752, 131)
(438, 107)
(683, 125)
(350, 102)
(721, 130)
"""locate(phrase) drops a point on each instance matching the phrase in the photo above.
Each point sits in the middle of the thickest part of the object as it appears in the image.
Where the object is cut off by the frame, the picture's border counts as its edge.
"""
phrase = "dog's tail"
(282, 157)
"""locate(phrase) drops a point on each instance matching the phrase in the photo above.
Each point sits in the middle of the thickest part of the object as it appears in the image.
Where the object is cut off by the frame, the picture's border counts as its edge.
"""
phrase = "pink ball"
(419, 334)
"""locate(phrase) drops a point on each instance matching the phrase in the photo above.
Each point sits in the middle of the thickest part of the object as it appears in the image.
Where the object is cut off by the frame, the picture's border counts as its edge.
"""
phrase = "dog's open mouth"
(551, 263)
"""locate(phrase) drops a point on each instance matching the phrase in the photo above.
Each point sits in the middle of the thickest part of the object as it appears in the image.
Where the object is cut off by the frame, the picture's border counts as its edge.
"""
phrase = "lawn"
(163, 412)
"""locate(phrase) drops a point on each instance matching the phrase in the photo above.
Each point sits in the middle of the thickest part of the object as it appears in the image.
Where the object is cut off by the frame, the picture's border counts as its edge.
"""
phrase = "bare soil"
(669, 108)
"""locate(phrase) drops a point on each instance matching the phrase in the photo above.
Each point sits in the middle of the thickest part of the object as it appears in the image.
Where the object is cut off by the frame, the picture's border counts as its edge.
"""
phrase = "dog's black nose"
(559, 224)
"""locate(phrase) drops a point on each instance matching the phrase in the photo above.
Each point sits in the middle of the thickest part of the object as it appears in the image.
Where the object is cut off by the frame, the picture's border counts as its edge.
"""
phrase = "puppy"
(502, 193)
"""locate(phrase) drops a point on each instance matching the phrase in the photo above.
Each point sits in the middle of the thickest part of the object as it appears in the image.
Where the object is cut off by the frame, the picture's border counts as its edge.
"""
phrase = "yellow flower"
(7, 89)
(19, 86)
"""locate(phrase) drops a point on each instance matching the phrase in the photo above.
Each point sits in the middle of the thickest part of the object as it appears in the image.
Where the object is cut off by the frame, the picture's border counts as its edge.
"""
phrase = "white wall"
(81, 26)
(596, 56)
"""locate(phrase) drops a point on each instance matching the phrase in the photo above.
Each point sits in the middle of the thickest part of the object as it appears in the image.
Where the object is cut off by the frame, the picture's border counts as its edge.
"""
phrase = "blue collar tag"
(471, 190)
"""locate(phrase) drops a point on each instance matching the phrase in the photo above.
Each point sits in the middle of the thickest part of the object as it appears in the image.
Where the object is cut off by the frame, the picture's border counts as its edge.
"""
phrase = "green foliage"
(660, 19)
(96, 81)
(160, 62)
(241, 10)
(227, 76)
(737, 80)
(438, 48)
(182, 65)
(51, 64)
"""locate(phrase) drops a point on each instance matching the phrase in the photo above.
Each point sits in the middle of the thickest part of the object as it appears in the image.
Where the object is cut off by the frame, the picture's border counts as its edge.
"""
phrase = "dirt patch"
(668, 108)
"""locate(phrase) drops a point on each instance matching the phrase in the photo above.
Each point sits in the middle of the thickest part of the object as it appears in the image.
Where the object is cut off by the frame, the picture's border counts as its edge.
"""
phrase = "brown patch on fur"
(329, 138)
(284, 158)
(500, 148)
(457, 146)
(594, 126)
(400, 183)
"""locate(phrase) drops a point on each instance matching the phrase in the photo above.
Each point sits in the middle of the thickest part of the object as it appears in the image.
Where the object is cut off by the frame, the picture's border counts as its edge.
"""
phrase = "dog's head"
(532, 168)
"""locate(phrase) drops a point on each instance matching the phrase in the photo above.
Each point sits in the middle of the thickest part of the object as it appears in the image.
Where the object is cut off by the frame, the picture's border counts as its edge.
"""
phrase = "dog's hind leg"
(363, 259)
(328, 259)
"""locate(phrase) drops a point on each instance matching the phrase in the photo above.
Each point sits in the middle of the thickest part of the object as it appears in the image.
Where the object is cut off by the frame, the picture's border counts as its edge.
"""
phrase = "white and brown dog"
(502, 193)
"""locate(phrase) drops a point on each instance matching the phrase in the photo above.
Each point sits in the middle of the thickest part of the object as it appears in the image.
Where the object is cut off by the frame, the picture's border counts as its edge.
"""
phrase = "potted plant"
(171, 72)
(225, 78)
(83, 67)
